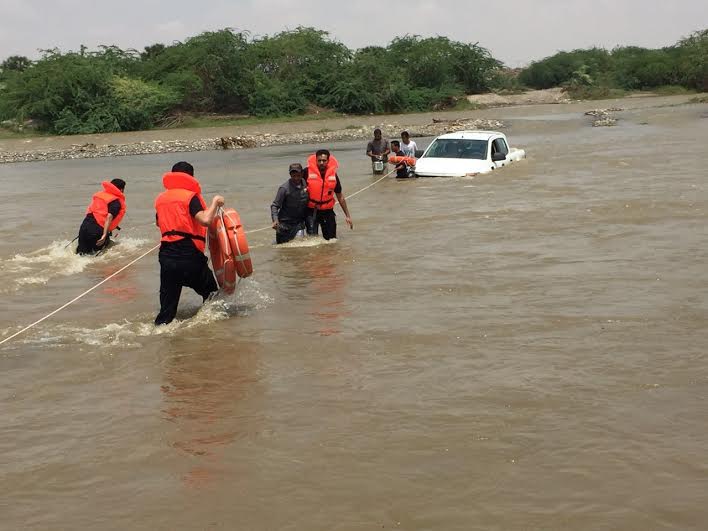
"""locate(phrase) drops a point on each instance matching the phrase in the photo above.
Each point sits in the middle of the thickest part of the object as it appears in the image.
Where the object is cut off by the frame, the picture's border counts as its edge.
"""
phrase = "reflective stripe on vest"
(321, 190)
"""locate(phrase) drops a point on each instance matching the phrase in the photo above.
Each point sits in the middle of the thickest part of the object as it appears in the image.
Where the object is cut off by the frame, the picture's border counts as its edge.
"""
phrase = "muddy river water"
(525, 350)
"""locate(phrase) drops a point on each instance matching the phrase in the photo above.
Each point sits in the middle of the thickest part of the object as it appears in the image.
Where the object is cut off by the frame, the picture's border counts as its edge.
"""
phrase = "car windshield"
(458, 148)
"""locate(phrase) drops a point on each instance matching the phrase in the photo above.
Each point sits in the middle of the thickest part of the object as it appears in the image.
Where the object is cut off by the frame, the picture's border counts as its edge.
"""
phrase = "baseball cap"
(295, 167)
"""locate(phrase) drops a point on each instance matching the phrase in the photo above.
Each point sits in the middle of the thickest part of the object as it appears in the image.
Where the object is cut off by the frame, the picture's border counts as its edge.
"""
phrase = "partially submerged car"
(466, 153)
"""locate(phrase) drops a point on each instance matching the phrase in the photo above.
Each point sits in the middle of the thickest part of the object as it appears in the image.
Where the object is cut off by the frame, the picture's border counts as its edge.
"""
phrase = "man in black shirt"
(289, 206)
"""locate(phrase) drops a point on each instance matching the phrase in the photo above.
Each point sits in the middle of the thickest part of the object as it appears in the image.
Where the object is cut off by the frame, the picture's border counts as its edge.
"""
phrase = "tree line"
(110, 89)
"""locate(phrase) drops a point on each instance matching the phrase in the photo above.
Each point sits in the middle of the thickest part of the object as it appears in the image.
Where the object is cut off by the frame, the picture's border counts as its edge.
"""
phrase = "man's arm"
(205, 217)
(276, 206)
(106, 226)
(343, 204)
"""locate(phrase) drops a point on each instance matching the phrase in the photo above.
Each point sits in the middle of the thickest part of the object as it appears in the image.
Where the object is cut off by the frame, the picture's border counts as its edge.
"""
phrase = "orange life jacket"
(321, 190)
(172, 206)
(99, 205)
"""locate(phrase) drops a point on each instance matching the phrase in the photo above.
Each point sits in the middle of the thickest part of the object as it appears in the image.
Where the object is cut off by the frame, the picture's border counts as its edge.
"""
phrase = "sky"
(514, 31)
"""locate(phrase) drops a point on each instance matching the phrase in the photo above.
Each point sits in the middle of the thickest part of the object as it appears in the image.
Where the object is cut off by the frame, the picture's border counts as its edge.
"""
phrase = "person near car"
(408, 146)
(378, 149)
(403, 169)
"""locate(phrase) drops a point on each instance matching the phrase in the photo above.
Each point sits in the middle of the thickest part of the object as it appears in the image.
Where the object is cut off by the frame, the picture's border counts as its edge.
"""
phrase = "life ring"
(228, 248)
(397, 159)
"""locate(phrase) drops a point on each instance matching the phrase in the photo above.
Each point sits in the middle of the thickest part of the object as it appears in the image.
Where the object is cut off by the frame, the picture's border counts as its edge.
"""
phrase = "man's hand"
(218, 201)
(101, 240)
(275, 225)
(349, 222)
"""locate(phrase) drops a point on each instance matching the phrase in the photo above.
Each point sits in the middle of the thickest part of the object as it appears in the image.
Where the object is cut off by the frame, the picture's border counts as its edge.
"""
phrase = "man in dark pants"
(322, 187)
(103, 215)
(183, 218)
(290, 206)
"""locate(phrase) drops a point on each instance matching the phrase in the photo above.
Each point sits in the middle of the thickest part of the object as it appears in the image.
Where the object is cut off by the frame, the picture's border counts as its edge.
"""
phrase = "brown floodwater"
(525, 350)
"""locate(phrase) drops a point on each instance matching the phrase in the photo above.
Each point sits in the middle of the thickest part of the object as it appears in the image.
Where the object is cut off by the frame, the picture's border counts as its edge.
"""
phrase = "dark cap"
(295, 167)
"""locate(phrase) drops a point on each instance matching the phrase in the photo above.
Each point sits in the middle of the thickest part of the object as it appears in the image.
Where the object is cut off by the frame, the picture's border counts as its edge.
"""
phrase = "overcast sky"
(515, 31)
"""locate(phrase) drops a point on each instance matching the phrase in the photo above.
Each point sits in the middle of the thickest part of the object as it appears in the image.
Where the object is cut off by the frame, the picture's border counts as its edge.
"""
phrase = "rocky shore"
(90, 150)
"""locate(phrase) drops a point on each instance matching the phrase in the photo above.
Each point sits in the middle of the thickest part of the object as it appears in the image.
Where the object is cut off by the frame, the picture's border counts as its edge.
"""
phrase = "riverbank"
(300, 132)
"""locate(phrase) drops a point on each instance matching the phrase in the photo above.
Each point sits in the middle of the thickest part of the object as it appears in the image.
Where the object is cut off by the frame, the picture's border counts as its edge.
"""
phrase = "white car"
(466, 153)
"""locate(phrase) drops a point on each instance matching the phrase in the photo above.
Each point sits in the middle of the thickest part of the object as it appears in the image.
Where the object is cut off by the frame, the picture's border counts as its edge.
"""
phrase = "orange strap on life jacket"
(172, 206)
(99, 205)
(321, 190)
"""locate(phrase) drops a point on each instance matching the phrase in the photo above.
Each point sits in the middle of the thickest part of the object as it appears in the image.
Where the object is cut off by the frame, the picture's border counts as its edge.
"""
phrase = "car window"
(457, 148)
(499, 146)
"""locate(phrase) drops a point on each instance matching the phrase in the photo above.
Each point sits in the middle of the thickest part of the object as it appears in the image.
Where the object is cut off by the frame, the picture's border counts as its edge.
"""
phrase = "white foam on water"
(307, 241)
(250, 297)
(59, 259)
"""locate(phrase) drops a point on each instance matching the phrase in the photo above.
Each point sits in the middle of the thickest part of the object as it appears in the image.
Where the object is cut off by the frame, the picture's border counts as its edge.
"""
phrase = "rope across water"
(126, 266)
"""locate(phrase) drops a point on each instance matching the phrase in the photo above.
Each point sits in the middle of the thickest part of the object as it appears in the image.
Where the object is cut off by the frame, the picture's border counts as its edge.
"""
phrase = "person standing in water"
(408, 146)
(290, 206)
(322, 186)
(378, 150)
(103, 216)
(183, 218)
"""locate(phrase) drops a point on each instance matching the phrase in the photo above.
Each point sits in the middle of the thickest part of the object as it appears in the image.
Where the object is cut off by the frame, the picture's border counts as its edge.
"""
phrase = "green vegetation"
(289, 75)
(226, 72)
(597, 73)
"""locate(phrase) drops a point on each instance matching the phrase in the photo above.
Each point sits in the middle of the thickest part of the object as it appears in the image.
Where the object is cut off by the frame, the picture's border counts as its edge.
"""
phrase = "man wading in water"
(183, 218)
(290, 206)
(103, 215)
(322, 186)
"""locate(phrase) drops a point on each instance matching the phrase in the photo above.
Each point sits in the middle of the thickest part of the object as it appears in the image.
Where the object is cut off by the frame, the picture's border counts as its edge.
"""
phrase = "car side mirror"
(498, 157)
(419, 153)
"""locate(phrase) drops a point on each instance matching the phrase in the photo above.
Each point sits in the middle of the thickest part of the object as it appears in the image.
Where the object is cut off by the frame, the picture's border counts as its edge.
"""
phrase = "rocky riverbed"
(92, 150)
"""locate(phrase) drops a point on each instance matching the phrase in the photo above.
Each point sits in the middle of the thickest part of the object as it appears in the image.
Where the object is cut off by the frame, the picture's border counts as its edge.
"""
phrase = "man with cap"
(289, 207)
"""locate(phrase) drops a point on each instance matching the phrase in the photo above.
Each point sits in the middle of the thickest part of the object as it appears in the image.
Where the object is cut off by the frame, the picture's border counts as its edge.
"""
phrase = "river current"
(521, 350)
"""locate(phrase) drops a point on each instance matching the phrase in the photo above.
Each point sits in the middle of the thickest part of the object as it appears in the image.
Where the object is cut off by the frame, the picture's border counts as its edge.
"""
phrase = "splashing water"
(58, 259)
(307, 241)
(249, 298)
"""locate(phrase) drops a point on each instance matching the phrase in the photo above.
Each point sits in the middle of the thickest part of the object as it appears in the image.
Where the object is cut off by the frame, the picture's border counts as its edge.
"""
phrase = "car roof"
(471, 135)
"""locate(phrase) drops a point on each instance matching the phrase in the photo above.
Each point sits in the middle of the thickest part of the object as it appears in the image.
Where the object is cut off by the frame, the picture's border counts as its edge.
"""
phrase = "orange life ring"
(228, 248)
(397, 159)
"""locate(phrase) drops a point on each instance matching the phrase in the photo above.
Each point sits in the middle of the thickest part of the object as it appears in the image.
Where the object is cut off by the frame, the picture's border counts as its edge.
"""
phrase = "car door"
(499, 145)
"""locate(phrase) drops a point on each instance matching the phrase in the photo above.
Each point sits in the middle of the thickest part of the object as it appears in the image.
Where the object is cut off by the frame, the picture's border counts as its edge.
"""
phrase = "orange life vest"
(172, 206)
(321, 190)
(99, 205)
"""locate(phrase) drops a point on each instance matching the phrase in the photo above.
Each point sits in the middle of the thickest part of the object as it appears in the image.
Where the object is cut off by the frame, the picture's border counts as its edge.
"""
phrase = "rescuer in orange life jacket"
(103, 215)
(322, 186)
(183, 218)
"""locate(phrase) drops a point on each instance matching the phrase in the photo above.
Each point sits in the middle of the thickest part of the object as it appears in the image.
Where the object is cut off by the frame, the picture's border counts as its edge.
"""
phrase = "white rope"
(372, 184)
(72, 301)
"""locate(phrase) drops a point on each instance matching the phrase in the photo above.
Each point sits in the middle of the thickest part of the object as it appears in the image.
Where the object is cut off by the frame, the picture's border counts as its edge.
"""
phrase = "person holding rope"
(322, 187)
(103, 215)
(290, 206)
(183, 218)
